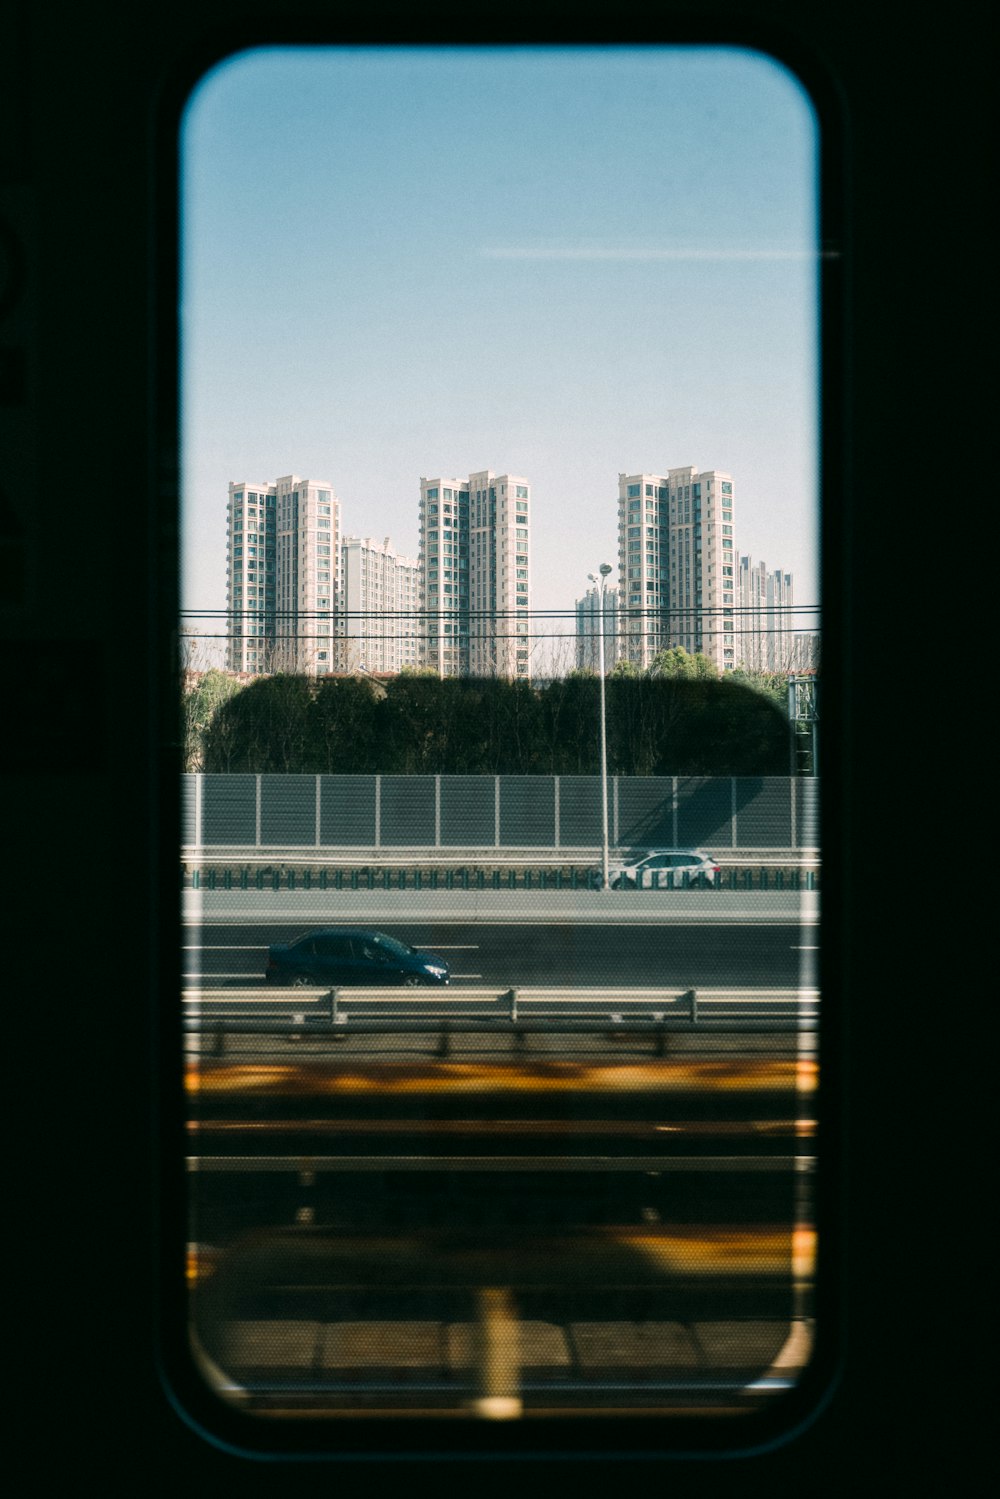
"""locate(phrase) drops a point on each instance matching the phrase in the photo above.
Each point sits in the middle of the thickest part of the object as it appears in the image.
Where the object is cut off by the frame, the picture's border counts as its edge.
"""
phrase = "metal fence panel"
(807, 812)
(645, 811)
(704, 810)
(347, 811)
(189, 809)
(403, 811)
(407, 811)
(763, 812)
(527, 811)
(580, 810)
(468, 811)
(229, 808)
(288, 809)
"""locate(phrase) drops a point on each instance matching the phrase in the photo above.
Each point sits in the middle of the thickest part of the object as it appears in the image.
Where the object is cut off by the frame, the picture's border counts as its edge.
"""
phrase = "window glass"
(640, 1232)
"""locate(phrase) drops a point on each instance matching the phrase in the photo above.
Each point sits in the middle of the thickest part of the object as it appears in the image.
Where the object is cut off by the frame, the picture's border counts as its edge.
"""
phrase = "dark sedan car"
(347, 956)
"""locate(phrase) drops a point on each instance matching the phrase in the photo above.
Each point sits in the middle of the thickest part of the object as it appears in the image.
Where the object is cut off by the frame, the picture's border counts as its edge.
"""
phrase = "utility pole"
(604, 570)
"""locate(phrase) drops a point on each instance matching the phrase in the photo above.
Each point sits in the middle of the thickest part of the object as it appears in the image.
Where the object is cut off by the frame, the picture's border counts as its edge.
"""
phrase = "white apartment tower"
(766, 620)
(283, 576)
(676, 567)
(380, 594)
(475, 574)
(588, 630)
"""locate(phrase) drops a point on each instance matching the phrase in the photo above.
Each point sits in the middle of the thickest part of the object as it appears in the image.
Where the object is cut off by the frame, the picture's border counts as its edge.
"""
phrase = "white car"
(665, 868)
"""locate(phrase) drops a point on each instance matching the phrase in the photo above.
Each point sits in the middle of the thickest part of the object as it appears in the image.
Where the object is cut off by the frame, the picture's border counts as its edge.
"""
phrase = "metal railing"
(517, 1013)
(265, 872)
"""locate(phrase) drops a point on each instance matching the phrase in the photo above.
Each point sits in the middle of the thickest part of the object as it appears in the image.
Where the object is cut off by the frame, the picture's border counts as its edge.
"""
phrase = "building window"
(633, 489)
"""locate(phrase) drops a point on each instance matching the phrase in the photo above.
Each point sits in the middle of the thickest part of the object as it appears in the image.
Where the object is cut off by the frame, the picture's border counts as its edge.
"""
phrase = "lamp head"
(605, 568)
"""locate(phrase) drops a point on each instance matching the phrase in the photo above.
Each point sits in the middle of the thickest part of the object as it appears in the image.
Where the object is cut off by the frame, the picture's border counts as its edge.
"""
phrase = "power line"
(449, 611)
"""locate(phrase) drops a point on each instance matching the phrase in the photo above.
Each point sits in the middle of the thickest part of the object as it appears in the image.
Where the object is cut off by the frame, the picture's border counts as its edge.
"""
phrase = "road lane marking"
(263, 946)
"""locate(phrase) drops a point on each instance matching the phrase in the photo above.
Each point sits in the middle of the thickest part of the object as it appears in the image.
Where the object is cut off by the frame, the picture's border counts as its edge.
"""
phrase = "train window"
(540, 1148)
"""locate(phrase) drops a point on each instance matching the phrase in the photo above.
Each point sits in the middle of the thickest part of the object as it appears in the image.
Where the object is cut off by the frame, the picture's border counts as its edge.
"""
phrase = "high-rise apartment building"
(283, 576)
(475, 574)
(676, 564)
(380, 592)
(251, 551)
(588, 630)
(766, 620)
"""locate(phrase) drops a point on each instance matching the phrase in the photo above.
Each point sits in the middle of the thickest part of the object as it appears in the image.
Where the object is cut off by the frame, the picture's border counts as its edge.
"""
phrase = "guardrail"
(267, 873)
(586, 855)
(517, 1012)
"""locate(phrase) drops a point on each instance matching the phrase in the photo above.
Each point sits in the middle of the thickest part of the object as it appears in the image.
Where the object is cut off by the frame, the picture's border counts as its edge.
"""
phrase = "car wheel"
(411, 980)
(301, 981)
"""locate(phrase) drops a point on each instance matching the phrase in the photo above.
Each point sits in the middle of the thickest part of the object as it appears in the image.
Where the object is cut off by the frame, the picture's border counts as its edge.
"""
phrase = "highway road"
(677, 954)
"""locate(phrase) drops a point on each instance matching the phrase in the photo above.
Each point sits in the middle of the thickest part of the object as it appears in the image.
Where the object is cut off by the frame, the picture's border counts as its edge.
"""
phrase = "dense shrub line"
(421, 724)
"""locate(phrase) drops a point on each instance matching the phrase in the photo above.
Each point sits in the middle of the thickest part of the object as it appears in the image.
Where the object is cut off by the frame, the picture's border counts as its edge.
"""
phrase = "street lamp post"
(604, 570)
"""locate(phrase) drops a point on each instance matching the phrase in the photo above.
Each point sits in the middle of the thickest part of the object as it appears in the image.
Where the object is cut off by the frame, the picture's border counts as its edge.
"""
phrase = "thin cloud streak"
(524, 253)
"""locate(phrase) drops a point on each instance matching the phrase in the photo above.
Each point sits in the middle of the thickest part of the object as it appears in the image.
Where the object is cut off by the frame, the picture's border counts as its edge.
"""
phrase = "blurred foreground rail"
(401, 1209)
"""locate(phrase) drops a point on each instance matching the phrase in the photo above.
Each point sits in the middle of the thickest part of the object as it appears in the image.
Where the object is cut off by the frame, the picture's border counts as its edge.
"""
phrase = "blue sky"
(565, 263)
